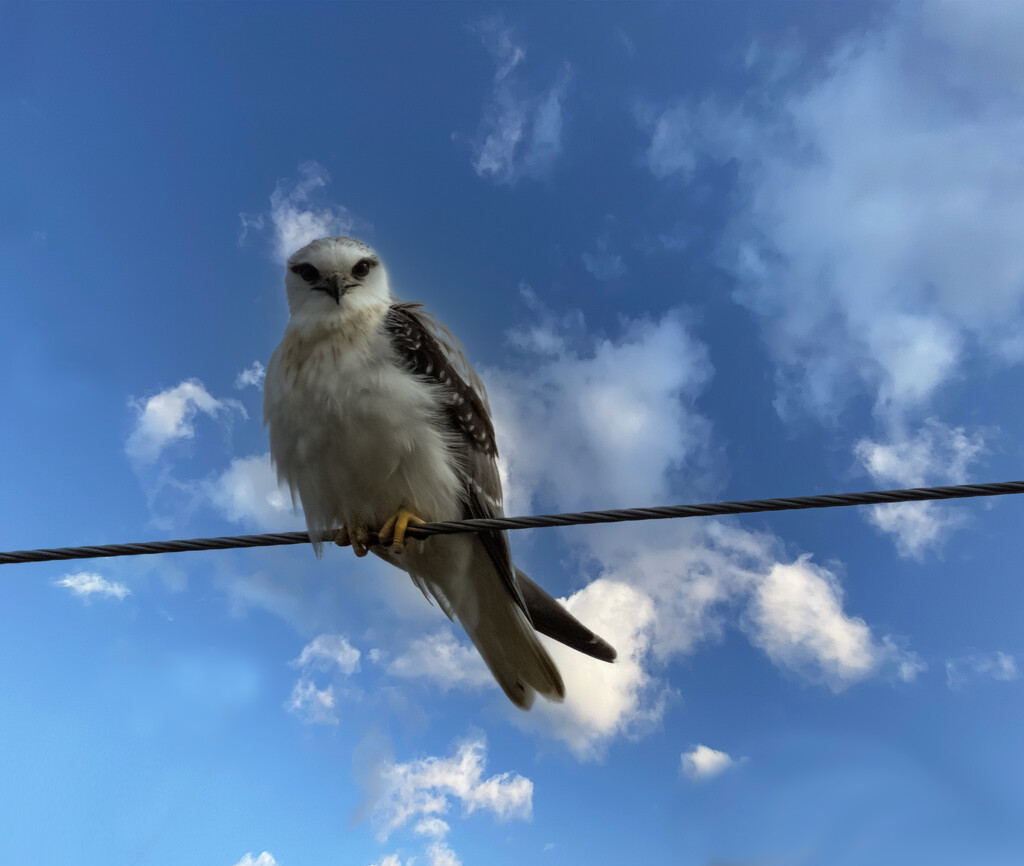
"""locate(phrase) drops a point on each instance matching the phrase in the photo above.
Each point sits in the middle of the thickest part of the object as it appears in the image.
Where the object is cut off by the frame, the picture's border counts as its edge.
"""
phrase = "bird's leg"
(358, 538)
(392, 533)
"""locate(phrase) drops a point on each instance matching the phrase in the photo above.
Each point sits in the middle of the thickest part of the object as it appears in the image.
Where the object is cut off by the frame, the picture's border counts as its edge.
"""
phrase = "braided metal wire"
(707, 509)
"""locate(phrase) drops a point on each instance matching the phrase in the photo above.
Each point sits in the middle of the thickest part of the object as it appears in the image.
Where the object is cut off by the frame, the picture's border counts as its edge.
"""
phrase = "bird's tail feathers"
(552, 619)
(509, 646)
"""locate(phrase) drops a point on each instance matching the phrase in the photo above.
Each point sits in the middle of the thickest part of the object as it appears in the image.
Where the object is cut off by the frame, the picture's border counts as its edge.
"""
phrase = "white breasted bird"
(377, 420)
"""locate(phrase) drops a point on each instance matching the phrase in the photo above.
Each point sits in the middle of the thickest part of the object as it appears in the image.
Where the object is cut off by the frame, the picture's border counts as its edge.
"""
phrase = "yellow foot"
(393, 531)
(358, 538)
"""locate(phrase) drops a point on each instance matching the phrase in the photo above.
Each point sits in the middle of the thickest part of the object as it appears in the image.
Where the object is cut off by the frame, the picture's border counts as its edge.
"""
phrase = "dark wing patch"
(422, 354)
(417, 341)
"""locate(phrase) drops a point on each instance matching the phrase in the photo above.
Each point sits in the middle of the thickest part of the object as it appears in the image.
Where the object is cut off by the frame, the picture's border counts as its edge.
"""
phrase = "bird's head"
(335, 275)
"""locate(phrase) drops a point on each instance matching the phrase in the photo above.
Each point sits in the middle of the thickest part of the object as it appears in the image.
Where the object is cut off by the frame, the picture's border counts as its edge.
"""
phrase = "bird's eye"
(362, 268)
(307, 272)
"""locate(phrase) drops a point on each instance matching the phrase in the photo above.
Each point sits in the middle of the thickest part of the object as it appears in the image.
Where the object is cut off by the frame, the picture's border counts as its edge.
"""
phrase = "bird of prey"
(376, 421)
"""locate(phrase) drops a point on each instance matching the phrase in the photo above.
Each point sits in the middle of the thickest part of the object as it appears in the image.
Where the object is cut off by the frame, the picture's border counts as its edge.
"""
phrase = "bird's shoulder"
(427, 349)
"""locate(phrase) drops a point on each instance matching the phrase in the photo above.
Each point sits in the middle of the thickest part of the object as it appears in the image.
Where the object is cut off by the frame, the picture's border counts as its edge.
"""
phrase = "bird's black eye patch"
(362, 268)
(307, 272)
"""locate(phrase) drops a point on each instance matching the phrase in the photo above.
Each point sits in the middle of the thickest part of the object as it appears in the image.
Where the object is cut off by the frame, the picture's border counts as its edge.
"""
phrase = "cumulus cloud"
(997, 666)
(295, 218)
(423, 790)
(444, 661)
(327, 652)
(627, 405)
(87, 585)
(796, 617)
(877, 234)
(264, 859)
(251, 376)
(520, 134)
(703, 762)
(604, 701)
(170, 416)
(936, 453)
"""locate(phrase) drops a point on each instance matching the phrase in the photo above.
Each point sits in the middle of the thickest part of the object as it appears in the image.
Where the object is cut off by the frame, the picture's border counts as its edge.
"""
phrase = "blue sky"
(696, 251)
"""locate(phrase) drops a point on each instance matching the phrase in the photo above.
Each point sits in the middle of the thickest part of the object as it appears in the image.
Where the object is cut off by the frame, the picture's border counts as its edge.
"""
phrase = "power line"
(707, 509)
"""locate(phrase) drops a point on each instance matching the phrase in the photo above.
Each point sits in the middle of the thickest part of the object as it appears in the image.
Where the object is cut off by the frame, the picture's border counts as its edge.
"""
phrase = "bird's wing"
(426, 348)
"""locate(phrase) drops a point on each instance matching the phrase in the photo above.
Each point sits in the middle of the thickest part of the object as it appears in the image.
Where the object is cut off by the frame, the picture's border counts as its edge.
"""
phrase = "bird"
(376, 422)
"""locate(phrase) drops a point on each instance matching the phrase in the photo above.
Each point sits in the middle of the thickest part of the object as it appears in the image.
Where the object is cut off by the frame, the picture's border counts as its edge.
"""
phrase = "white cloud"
(170, 415)
(603, 701)
(329, 651)
(935, 454)
(251, 376)
(998, 666)
(703, 762)
(796, 617)
(427, 788)
(880, 203)
(625, 405)
(433, 827)
(312, 705)
(248, 492)
(294, 218)
(663, 589)
(87, 584)
(520, 134)
(264, 859)
(392, 860)
(441, 854)
(442, 659)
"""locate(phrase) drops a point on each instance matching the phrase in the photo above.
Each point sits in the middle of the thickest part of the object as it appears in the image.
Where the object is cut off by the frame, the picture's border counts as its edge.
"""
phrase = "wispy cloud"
(444, 661)
(997, 666)
(248, 492)
(934, 453)
(170, 416)
(703, 762)
(603, 263)
(87, 585)
(252, 376)
(874, 235)
(520, 134)
(421, 791)
(327, 652)
(295, 217)
(313, 706)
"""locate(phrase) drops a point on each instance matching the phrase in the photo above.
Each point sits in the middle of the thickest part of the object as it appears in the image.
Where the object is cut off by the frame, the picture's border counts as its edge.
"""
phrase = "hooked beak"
(333, 286)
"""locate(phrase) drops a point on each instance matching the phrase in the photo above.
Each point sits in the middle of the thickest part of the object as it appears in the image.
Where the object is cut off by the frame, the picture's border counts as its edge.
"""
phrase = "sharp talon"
(359, 538)
(392, 533)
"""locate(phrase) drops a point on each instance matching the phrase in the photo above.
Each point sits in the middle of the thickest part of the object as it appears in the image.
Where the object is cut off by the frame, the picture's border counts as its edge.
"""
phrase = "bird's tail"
(508, 644)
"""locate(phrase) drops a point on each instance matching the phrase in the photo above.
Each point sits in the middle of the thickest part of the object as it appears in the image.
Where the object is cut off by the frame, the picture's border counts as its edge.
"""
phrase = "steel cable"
(707, 509)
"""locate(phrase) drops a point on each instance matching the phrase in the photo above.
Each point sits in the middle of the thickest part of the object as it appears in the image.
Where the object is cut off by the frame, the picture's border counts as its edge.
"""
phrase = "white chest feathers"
(354, 435)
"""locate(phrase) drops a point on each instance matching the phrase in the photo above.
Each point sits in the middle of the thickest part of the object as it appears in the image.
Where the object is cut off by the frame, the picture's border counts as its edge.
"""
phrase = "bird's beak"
(334, 287)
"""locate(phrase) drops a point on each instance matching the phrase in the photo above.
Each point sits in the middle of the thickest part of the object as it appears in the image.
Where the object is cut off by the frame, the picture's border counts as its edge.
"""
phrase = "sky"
(696, 251)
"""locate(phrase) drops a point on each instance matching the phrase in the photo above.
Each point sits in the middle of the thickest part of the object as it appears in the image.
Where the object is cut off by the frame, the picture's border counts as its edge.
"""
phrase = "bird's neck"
(353, 323)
